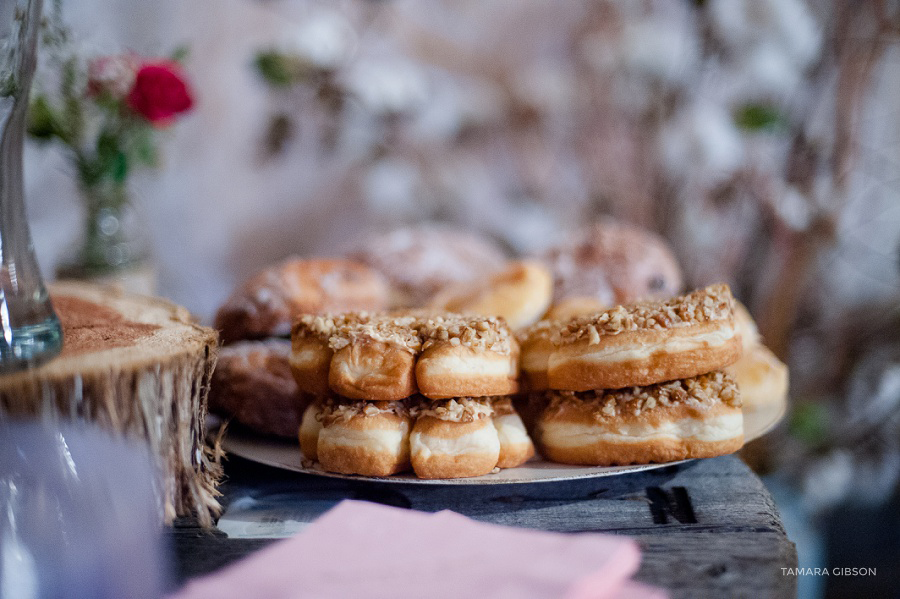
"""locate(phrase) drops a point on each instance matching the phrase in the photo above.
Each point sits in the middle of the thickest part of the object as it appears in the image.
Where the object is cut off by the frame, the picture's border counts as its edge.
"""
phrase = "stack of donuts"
(638, 383)
(410, 390)
(252, 383)
(370, 356)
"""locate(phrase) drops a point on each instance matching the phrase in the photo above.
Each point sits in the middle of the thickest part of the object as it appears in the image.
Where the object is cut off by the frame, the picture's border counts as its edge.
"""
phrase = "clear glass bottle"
(30, 332)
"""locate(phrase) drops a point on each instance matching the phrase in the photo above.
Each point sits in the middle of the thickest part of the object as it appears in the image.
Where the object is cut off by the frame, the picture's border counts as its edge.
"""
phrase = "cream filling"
(484, 440)
(392, 441)
(511, 431)
(720, 428)
(640, 351)
(486, 365)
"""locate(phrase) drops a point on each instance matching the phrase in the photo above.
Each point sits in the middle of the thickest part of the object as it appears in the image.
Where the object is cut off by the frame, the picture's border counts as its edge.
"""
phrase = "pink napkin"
(361, 549)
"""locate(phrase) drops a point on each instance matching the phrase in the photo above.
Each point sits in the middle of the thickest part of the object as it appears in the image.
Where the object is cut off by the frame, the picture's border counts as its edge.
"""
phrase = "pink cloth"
(367, 550)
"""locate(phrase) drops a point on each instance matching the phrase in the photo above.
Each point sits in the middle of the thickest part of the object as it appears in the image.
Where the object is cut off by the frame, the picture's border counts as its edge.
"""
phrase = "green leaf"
(810, 423)
(275, 68)
(180, 54)
(41, 120)
(759, 117)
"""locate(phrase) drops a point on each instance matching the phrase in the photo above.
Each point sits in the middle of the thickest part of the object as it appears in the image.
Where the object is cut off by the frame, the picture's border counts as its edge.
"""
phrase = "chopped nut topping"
(343, 329)
(459, 409)
(503, 406)
(704, 305)
(542, 329)
(476, 332)
(702, 391)
(335, 409)
(415, 331)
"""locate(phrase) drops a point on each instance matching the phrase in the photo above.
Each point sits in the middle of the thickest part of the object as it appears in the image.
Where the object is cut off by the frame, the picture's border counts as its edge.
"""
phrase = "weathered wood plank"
(708, 528)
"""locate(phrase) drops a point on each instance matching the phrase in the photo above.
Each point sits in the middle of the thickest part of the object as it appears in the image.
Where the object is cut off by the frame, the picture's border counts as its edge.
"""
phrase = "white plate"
(286, 455)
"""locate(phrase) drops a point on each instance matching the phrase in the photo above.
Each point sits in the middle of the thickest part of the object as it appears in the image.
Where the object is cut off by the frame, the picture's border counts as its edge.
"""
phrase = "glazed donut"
(646, 343)
(520, 293)
(420, 261)
(253, 385)
(370, 438)
(614, 262)
(691, 418)
(390, 357)
(466, 356)
(310, 427)
(454, 438)
(516, 447)
(761, 377)
(266, 304)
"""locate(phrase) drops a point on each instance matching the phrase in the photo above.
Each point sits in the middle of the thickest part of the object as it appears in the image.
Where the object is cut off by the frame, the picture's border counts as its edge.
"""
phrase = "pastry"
(390, 357)
(691, 418)
(253, 385)
(266, 304)
(466, 356)
(615, 263)
(520, 293)
(454, 438)
(645, 343)
(516, 447)
(760, 375)
(536, 346)
(572, 307)
(370, 438)
(310, 427)
(450, 438)
(420, 261)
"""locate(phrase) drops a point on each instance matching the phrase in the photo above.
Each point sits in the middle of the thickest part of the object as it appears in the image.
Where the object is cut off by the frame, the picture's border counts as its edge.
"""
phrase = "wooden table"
(707, 528)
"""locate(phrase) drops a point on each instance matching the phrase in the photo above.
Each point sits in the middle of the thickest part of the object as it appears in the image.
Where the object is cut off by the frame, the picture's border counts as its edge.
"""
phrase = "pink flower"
(160, 92)
(112, 74)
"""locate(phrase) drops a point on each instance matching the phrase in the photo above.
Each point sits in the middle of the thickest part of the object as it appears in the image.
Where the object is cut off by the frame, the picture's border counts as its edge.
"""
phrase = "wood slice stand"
(137, 366)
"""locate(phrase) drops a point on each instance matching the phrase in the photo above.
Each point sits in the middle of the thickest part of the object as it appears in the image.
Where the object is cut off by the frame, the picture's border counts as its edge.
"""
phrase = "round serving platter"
(286, 455)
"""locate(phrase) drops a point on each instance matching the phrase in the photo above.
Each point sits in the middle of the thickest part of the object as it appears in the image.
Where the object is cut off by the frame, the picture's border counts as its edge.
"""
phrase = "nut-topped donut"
(450, 438)
(392, 356)
(370, 438)
(690, 418)
(266, 304)
(466, 356)
(454, 438)
(644, 343)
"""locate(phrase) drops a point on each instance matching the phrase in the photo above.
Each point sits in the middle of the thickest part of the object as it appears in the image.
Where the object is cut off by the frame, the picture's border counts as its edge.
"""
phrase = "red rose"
(159, 93)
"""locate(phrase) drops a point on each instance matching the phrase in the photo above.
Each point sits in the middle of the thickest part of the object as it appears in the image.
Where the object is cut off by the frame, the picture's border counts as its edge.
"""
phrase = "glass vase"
(114, 249)
(31, 332)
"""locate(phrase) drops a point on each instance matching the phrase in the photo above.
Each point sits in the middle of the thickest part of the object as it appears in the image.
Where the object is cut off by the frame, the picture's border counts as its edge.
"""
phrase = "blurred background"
(761, 138)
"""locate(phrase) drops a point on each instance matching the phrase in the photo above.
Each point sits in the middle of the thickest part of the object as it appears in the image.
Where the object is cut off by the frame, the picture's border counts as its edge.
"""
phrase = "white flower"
(785, 23)
(325, 40)
(659, 50)
(113, 74)
(647, 47)
(794, 209)
(390, 188)
(768, 70)
(702, 137)
(388, 86)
